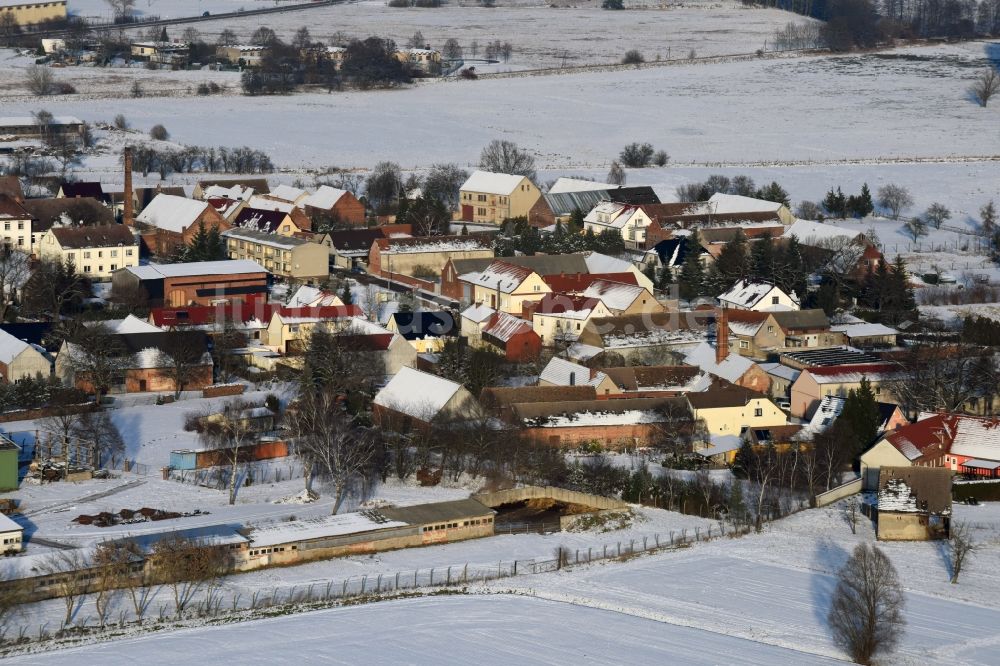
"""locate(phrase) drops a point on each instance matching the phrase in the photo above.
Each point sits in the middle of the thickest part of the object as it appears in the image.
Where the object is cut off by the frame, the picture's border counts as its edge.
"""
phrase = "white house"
(759, 297)
(627, 219)
(11, 535)
(727, 204)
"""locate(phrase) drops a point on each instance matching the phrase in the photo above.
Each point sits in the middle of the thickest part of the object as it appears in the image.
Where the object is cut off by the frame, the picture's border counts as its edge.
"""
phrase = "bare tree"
(894, 198)
(63, 568)
(937, 214)
(961, 546)
(39, 80)
(159, 133)
(866, 612)
(985, 86)
(988, 213)
(501, 156)
(100, 357)
(443, 182)
(616, 175)
(915, 228)
(230, 433)
(851, 514)
(452, 49)
(416, 41)
(111, 567)
(333, 446)
(98, 430)
(187, 568)
(122, 9)
(184, 352)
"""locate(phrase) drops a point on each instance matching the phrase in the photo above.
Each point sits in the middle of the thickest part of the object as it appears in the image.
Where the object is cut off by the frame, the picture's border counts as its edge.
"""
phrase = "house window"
(100, 254)
(114, 267)
(20, 241)
(100, 269)
(744, 344)
(480, 211)
(114, 253)
(770, 329)
(20, 226)
(128, 252)
(86, 255)
(6, 226)
(86, 269)
(774, 300)
(758, 412)
(481, 197)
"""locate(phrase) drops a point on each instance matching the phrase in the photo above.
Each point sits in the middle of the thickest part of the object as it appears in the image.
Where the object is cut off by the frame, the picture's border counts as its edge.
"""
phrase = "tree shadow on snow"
(993, 54)
(828, 558)
(943, 548)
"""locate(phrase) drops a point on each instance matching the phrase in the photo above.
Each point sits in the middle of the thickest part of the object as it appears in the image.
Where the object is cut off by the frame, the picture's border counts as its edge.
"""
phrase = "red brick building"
(611, 424)
(336, 206)
(512, 336)
(194, 283)
(170, 222)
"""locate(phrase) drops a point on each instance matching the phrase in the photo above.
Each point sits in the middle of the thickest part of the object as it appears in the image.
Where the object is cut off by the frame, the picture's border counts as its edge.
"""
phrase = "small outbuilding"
(914, 503)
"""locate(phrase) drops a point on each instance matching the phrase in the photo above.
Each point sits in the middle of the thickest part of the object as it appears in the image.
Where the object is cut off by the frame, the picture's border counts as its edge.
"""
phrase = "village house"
(142, 364)
(758, 296)
(232, 188)
(164, 53)
(827, 357)
(422, 60)
(733, 368)
(914, 504)
(169, 222)
(281, 255)
(623, 299)
(82, 190)
(506, 287)
(11, 533)
(427, 331)
(417, 398)
(46, 213)
(457, 274)
(728, 410)
(622, 424)
(782, 377)
(891, 417)
(815, 383)
(335, 207)
(15, 230)
(967, 445)
(21, 360)
(863, 335)
(289, 328)
(307, 296)
(560, 318)
(193, 283)
(265, 221)
(473, 319)
(714, 228)
(727, 204)
(349, 249)
(241, 55)
(648, 339)
(512, 337)
(561, 372)
(491, 198)
(760, 334)
(26, 127)
(560, 206)
(666, 381)
(97, 252)
(26, 13)
(501, 400)
(392, 257)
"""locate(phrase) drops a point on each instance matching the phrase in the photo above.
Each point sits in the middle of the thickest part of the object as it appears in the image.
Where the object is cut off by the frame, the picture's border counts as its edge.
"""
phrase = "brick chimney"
(721, 335)
(128, 211)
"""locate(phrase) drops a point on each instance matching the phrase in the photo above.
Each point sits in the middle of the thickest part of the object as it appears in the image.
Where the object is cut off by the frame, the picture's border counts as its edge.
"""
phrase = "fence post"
(619, 549)
(432, 577)
(465, 573)
(576, 558)
(671, 537)
(644, 543)
(588, 555)
(396, 587)
(515, 567)
(415, 572)
(448, 579)
(378, 584)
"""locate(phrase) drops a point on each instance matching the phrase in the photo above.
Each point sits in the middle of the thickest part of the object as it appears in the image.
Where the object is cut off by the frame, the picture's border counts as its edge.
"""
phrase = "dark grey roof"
(424, 514)
(565, 203)
(418, 325)
(832, 356)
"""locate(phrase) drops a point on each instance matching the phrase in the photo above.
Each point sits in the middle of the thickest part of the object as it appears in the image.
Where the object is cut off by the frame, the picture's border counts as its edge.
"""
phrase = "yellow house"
(813, 384)
(630, 220)
(427, 332)
(26, 12)
(95, 251)
(286, 329)
(282, 255)
(506, 287)
(427, 60)
(729, 410)
(491, 198)
(562, 317)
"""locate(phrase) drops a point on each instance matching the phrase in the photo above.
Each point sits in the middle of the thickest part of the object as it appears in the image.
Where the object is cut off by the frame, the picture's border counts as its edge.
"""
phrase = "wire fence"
(217, 477)
(217, 603)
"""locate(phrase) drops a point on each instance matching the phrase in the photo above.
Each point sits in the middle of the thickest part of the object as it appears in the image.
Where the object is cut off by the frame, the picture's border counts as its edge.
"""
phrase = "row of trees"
(148, 158)
(740, 185)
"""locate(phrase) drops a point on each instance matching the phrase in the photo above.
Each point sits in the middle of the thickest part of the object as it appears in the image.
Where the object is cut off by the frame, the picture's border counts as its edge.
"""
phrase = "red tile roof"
(578, 282)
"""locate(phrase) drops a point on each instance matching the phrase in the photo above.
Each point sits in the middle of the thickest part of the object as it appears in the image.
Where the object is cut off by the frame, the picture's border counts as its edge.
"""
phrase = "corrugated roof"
(438, 512)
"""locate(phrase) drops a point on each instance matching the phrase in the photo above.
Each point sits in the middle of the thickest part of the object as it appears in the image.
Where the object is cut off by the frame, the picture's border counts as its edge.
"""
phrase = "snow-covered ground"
(99, 10)
(819, 109)
(581, 34)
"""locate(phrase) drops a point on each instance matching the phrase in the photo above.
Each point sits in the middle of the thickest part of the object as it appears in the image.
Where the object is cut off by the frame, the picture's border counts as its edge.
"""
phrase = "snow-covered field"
(99, 10)
(580, 34)
(758, 599)
(819, 109)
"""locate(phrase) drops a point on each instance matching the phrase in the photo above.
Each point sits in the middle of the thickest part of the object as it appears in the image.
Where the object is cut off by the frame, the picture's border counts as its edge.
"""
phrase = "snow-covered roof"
(193, 268)
(779, 370)
(324, 198)
(734, 203)
(564, 185)
(432, 244)
(561, 372)
(731, 369)
(492, 183)
(747, 294)
(852, 374)
(583, 352)
(501, 276)
(478, 313)
(615, 295)
(897, 497)
(236, 193)
(312, 296)
(975, 437)
(263, 203)
(611, 214)
(130, 324)
(417, 394)
(8, 525)
(829, 409)
(21, 121)
(270, 240)
(10, 347)
(608, 418)
(602, 263)
(504, 326)
(287, 193)
(317, 528)
(171, 212)
(863, 330)
(812, 233)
